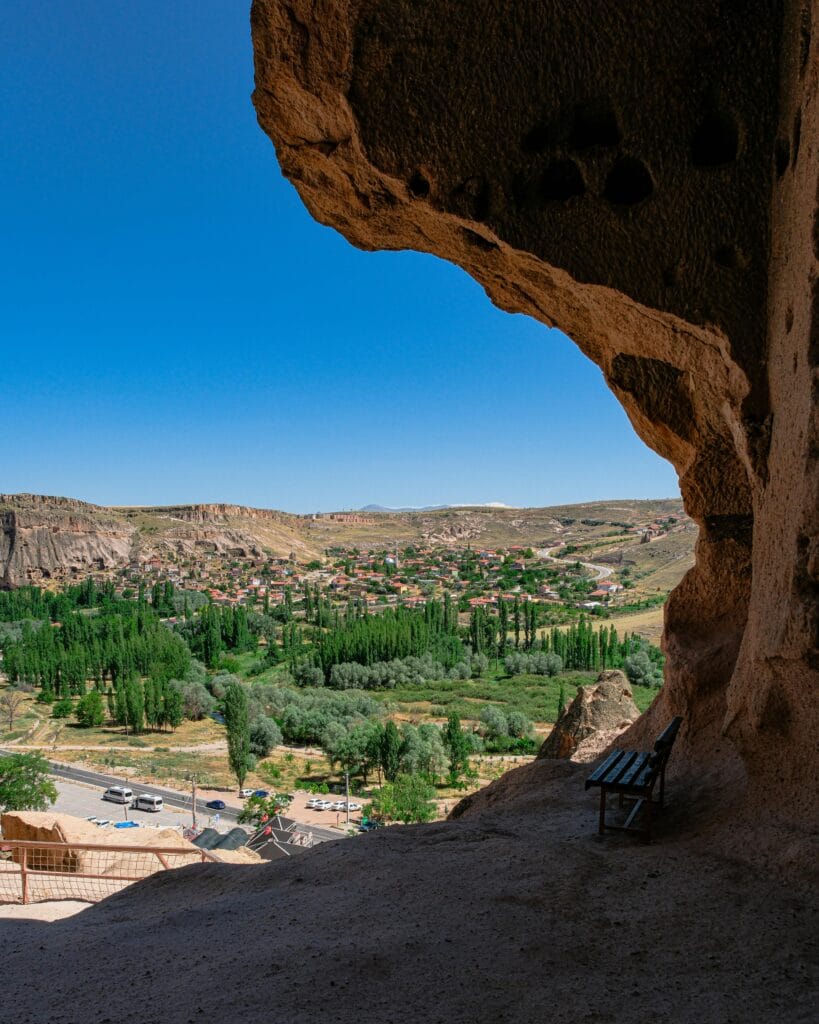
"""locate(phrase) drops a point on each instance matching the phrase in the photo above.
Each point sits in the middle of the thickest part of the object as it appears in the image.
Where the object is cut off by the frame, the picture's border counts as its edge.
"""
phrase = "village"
(563, 579)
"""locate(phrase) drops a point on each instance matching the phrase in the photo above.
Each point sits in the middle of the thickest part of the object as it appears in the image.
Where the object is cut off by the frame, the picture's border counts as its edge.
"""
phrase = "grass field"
(535, 696)
(647, 624)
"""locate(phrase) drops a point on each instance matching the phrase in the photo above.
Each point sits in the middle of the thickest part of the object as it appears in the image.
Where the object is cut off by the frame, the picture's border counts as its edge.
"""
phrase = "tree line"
(117, 642)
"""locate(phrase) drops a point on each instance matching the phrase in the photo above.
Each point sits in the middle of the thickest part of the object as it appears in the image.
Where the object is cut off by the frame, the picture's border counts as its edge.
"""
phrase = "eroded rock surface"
(643, 176)
(606, 707)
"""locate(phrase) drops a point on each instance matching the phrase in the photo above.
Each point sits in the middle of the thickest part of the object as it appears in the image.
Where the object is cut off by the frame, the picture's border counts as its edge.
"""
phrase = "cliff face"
(645, 178)
(42, 537)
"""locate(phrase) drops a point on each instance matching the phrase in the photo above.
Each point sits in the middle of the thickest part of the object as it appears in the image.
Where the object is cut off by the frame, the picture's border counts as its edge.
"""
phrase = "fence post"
(24, 873)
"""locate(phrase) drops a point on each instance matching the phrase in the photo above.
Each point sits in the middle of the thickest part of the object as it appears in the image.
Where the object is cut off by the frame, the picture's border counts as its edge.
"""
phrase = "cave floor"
(517, 911)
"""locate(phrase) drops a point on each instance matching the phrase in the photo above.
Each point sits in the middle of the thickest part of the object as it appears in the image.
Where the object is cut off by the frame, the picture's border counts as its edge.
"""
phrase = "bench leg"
(601, 828)
(647, 832)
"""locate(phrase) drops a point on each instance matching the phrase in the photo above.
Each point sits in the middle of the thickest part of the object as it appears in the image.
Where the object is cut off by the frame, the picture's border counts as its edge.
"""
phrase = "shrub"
(494, 722)
(90, 710)
(642, 671)
(408, 799)
(63, 708)
(264, 735)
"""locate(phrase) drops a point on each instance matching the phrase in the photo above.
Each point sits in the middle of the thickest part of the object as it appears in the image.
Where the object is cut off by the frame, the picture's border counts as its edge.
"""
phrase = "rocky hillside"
(45, 538)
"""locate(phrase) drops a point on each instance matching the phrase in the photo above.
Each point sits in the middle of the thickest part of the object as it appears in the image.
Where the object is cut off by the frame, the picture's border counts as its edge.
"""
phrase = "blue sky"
(176, 328)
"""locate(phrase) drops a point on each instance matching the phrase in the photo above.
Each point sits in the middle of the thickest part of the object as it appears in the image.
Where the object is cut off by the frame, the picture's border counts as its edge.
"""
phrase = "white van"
(146, 802)
(118, 795)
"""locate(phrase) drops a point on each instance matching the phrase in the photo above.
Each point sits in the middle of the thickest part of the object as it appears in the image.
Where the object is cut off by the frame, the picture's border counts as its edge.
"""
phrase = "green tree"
(390, 751)
(642, 671)
(63, 708)
(173, 707)
(91, 710)
(457, 745)
(409, 799)
(264, 735)
(134, 704)
(494, 722)
(238, 731)
(25, 784)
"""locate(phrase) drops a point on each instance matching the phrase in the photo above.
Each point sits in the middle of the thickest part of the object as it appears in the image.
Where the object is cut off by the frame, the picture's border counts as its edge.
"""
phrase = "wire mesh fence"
(32, 871)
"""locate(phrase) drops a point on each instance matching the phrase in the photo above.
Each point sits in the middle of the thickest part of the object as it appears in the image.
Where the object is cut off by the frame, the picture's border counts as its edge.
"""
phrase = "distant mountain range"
(434, 508)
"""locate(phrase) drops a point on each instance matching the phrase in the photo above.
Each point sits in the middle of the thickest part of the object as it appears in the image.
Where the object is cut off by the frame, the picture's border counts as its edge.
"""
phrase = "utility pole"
(347, 794)
(193, 800)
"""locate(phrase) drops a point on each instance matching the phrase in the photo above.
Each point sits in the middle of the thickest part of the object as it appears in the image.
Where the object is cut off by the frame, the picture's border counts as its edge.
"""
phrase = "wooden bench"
(632, 774)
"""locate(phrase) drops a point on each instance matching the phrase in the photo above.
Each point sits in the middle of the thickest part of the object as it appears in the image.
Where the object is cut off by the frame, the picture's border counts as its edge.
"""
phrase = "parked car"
(342, 805)
(315, 803)
(322, 805)
(216, 805)
(261, 793)
(147, 802)
(119, 795)
(370, 826)
(245, 793)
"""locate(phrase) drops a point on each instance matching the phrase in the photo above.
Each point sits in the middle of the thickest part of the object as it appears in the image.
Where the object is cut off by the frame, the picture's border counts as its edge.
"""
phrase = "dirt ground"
(516, 911)
(56, 910)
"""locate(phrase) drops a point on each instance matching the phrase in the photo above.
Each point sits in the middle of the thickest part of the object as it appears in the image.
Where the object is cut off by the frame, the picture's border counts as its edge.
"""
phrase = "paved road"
(601, 571)
(171, 798)
(82, 800)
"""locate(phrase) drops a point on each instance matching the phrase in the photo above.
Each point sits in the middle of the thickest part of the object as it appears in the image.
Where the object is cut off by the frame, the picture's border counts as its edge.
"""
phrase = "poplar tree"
(390, 751)
(457, 745)
(238, 730)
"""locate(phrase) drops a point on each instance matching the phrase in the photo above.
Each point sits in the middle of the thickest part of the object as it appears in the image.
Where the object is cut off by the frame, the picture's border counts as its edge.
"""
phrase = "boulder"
(607, 708)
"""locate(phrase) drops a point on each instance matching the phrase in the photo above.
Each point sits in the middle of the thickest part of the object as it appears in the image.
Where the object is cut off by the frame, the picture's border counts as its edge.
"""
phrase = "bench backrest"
(665, 741)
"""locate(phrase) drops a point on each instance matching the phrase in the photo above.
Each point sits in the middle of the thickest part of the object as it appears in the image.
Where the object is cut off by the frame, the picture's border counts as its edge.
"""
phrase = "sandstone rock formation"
(44, 538)
(607, 707)
(643, 176)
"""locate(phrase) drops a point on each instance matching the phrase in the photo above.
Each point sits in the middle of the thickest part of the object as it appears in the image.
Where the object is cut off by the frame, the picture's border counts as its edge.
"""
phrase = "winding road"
(601, 572)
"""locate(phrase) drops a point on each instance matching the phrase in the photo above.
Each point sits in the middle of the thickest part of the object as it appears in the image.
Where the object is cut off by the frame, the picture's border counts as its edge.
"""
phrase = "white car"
(318, 804)
(342, 805)
(245, 793)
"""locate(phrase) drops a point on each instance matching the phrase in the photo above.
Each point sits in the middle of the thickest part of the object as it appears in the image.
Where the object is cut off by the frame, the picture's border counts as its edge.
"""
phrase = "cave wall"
(644, 177)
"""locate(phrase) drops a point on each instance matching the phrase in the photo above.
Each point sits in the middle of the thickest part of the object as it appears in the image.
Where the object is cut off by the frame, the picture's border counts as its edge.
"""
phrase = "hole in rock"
(789, 323)
(418, 185)
(594, 125)
(726, 256)
(628, 182)
(797, 134)
(804, 36)
(478, 241)
(782, 156)
(716, 141)
(561, 181)
(537, 139)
